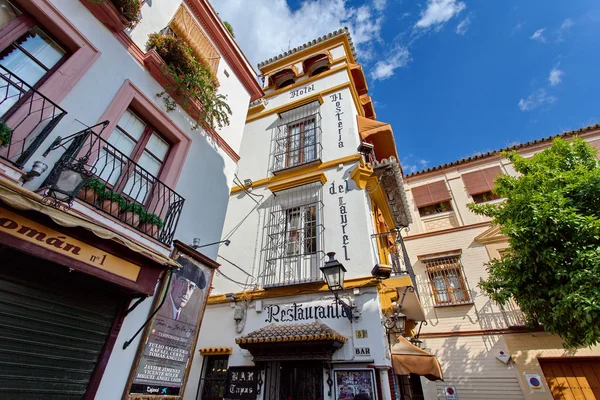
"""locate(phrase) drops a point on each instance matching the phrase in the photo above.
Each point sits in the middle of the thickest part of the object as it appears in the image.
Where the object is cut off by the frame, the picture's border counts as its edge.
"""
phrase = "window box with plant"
(151, 224)
(117, 15)
(5, 134)
(112, 203)
(133, 213)
(187, 81)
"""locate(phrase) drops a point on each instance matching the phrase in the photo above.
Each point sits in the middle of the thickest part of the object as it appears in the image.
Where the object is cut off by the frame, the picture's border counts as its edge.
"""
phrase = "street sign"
(535, 383)
(450, 392)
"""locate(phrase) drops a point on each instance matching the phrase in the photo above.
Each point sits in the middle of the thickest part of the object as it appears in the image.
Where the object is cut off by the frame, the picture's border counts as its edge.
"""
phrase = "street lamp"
(333, 272)
(67, 180)
(396, 322)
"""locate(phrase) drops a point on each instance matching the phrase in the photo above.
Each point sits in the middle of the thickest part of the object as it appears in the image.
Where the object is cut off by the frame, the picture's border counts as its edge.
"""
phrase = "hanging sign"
(57, 242)
(534, 381)
(241, 383)
(450, 392)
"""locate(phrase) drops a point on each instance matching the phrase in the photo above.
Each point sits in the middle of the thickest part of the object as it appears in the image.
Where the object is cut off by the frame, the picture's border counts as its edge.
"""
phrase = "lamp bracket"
(348, 309)
(61, 142)
(406, 289)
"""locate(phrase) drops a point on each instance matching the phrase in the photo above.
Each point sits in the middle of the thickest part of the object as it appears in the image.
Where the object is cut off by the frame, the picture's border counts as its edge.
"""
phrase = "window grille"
(215, 377)
(296, 139)
(448, 282)
(293, 236)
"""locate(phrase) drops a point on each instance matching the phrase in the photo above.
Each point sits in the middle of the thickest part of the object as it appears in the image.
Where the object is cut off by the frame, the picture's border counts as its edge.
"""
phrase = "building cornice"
(446, 231)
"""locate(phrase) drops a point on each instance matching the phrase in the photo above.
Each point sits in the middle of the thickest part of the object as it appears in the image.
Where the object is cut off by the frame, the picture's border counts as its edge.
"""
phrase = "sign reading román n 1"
(32, 232)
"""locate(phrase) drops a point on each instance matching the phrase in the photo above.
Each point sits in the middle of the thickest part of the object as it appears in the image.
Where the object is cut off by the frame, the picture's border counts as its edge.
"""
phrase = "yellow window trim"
(309, 79)
(302, 54)
(323, 93)
(300, 172)
(298, 181)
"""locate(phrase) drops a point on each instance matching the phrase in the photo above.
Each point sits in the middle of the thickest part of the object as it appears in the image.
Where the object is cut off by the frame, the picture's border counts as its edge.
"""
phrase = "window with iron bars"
(212, 385)
(296, 138)
(448, 282)
(293, 237)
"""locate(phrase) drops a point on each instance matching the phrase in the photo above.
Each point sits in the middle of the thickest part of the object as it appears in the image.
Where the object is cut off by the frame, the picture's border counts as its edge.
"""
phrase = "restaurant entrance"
(294, 380)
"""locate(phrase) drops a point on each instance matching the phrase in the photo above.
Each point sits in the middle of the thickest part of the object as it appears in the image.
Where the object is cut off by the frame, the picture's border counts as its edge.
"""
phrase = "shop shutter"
(481, 181)
(53, 327)
(431, 193)
(478, 388)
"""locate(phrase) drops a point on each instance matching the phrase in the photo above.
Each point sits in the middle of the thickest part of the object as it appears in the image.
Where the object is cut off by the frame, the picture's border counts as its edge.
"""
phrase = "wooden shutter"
(573, 378)
(481, 181)
(431, 193)
(186, 27)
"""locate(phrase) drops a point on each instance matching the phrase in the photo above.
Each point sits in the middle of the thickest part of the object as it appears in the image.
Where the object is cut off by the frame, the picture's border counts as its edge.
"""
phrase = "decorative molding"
(360, 175)
(503, 331)
(446, 231)
(298, 181)
(492, 235)
(215, 351)
(300, 171)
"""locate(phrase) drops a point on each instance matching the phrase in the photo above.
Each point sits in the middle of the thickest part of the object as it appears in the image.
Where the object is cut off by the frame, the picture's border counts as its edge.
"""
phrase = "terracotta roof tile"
(515, 147)
(277, 333)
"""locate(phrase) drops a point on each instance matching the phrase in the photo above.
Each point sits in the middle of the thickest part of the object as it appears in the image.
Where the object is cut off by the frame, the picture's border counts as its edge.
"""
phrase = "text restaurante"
(295, 312)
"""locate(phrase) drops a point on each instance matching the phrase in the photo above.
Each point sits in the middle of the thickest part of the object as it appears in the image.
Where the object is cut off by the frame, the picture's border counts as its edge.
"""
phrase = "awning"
(279, 342)
(22, 199)
(360, 81)
(380, 134)
(367, 104)
(409, 359)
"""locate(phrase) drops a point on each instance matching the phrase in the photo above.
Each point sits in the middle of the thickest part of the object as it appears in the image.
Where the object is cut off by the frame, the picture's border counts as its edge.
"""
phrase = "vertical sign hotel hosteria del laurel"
(342, 189)
(336, 99)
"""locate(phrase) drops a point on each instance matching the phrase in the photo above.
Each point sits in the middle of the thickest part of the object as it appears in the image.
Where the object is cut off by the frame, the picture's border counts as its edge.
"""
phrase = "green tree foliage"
(552, 219)
(229, 28)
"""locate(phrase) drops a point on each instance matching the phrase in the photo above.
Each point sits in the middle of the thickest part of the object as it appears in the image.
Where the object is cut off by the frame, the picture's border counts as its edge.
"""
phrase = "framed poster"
(355, 384)
(167, 348)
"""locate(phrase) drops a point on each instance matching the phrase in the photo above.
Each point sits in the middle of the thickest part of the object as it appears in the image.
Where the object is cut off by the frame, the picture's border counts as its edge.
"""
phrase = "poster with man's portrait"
(172, 335)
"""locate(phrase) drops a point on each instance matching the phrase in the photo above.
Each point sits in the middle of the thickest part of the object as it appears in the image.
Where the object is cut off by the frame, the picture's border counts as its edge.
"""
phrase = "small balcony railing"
(30, 115)
(121, 188)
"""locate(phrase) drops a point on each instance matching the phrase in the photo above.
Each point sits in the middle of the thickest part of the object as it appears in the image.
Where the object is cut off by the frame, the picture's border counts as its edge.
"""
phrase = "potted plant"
(132, 213)
(151, 224)
(5, 134)
(92, 190)
(112, 202)
(116, 14)
(188, 81)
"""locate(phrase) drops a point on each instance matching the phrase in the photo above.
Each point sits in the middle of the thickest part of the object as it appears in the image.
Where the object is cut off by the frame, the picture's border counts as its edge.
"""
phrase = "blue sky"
(453, 77)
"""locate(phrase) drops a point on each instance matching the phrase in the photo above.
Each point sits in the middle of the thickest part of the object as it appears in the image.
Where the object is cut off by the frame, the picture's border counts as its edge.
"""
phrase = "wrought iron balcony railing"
(120, 187)
(30, 115)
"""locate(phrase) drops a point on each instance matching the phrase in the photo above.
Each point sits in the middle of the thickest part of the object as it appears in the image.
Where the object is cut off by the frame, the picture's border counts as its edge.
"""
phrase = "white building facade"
(79, 89)
(317, 174)
(484, 349)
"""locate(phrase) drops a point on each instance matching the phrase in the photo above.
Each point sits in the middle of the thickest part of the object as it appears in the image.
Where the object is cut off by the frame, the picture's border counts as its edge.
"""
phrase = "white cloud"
(438, 12)
(564, 29)
(385, 69)
(410, 164)
(539, 35)
(536, 99)
(271, 27)
(516, 28)
(555, 76)
(379, 4)
(463, 27)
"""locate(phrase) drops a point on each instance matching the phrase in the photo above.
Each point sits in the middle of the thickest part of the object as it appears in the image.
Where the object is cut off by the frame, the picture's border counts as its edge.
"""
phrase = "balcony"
(296, 140)
(120, 187)
(29, 114)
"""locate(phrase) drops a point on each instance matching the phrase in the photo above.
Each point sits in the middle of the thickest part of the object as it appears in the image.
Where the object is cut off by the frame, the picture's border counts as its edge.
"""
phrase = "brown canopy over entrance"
(278, 342)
